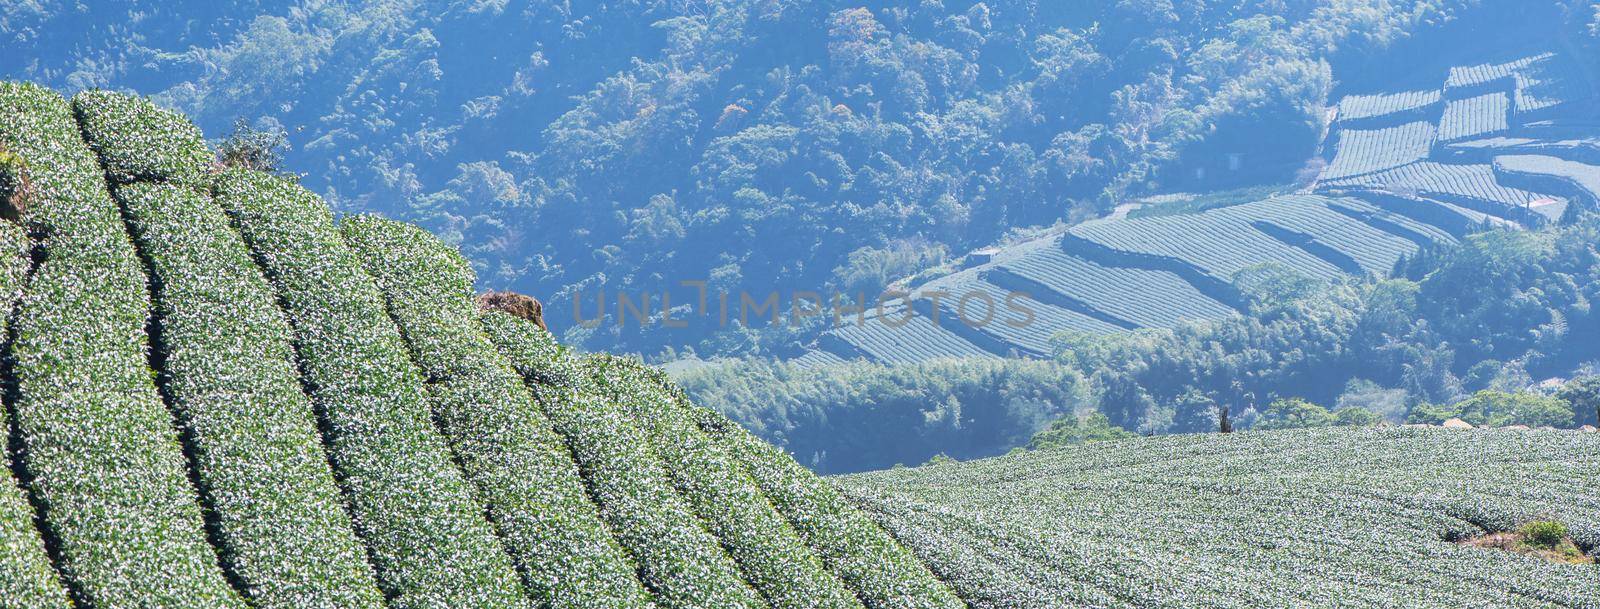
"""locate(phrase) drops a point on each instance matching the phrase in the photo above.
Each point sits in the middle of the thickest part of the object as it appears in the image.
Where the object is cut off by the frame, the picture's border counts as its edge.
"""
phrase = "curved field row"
(1486, 74)
(882, 572)
(682, 563)
(767, 549)
(27, 579)
(817, 358)
(1475, 117)
(1306, 518)
(519, 465)
(1549, 86)
(1369, 110)
(1473, 186)
(1149, 298)
(903, 335)
(1360, 152)
(1385, 217)
(426, 535)
(1579, 180)
(227, 370)
(1220, 242)
(1376, 250)
(124, 520)
(1019, 319)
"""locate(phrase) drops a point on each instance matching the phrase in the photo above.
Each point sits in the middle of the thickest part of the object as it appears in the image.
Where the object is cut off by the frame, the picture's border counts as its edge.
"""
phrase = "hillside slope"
(1264, 519)
(218, 396)
(1509, 142)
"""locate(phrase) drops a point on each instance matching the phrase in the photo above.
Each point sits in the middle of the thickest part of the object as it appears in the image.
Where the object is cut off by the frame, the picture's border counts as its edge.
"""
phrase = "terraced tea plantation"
(1507, 143)
(1259, 519)
(219, 397)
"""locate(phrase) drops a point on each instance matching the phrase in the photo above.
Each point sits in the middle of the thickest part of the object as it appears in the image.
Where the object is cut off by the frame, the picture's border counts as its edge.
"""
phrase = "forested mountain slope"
(757, 145)
(219, 397)
(1509, 143)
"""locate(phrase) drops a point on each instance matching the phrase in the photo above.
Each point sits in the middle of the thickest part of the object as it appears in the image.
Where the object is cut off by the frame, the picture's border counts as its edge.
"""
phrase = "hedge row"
(677, 558)
(27, 581)
(98, 443)
(883, 574)
(230, 376)
(520, 465)
(772, 556)
(140, 141)
(427, 537)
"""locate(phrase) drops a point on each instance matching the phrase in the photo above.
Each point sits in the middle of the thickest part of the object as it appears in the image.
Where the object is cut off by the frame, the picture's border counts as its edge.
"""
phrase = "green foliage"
(1388, 404)
(1182, 520)
(764, 139)
(521, 468)
(81, 374)
(1583, 394)
(677, 557)
(868, 270)
(853, 416)
(1404, 340)
(426, 536)
(1073, 430)
(27, 580)
(880, 571)
(1355, 416)
(138, 140)
(250, 147)
(1170, 205)
(228, 371)
(1293, 413)
(1544, 533)
(767, 549)
(1492, 408)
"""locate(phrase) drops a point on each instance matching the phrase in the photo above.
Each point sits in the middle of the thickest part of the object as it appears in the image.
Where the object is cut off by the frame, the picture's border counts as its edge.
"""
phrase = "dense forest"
(1498, 330)
(629, 146)
(570, 148)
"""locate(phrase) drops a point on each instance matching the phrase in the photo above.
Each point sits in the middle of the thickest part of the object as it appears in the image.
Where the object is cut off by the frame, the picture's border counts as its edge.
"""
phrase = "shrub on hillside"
(250, 147)
(1070, 430)
(677, 558)
(520, 467)
(138, 140)
(427, 536)
(81, 378)
(1544, 533)
(229, 373)
(1293, 413)
(766, 547)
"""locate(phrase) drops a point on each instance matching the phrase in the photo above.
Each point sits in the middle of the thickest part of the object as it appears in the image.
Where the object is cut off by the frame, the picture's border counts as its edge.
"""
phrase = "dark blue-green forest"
(642, 147)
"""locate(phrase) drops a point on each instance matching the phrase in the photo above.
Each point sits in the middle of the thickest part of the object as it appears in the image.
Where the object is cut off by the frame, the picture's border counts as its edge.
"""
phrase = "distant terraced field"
(1508, 143)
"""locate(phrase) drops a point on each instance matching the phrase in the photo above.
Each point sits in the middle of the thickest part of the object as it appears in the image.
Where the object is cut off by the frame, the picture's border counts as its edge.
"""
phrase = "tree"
(1582, 394)
(1352, 416)
(1073, 430)
(252, 147)
(1490, 408)
(1294, 413)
